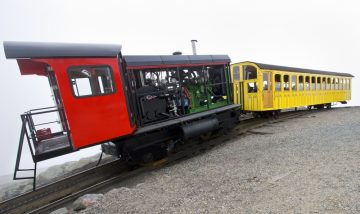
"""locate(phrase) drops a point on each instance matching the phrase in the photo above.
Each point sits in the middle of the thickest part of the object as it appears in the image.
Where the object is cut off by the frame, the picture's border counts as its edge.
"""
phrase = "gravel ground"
(304, 165)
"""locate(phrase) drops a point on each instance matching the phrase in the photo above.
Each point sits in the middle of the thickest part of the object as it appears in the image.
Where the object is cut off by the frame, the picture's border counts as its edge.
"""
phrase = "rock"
(60, 211)
(85, 201)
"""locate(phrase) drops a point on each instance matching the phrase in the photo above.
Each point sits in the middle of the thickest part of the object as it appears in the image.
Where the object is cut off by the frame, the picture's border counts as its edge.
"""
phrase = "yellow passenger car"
(261, 87)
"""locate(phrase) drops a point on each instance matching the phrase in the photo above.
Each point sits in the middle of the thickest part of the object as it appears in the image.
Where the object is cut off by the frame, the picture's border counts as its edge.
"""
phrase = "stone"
(85, 201)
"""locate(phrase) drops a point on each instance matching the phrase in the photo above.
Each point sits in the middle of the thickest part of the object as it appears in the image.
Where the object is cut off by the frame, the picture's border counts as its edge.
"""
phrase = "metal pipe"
(193, 44)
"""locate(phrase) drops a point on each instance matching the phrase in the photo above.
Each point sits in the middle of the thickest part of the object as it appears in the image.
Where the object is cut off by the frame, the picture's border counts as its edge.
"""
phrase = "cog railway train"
(139, 107)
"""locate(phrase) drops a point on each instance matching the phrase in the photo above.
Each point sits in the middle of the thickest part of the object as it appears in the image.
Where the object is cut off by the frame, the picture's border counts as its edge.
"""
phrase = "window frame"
(323, 83)
(244, 67)
(318, 83)
(284, 82)
(313, 83)
(328, 83)
(301, 83)
(236, 70)
(91, 66)
(340, 84)
(296, 82)
(280, 82)
(307, 83)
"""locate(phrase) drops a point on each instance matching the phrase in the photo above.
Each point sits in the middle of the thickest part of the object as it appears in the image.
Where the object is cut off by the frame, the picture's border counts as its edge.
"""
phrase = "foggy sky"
(320, 35)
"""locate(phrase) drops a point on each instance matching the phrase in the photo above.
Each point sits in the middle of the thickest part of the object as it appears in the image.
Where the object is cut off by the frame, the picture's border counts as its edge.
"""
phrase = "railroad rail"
(54, 195)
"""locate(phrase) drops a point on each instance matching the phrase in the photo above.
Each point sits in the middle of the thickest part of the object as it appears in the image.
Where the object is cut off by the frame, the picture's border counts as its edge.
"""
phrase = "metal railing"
(29, 130)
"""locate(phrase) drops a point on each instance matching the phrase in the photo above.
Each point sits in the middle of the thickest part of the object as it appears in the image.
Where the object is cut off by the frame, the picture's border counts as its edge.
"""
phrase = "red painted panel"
(28, 67)
(92, 119)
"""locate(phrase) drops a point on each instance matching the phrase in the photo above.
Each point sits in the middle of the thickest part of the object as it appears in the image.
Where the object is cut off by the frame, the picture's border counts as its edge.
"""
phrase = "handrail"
(41, 112)
(38, 109)
(40, 124)
(30, 134)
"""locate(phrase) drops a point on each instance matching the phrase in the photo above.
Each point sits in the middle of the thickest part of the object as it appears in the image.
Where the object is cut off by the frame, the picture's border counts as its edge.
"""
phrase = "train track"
(55, 195)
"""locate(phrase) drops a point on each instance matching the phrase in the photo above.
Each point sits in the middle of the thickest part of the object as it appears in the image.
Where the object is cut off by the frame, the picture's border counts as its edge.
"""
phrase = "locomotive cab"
(91, 105)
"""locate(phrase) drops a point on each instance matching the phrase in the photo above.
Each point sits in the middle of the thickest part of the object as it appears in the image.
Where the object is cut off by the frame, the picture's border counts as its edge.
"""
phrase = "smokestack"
(193, 44)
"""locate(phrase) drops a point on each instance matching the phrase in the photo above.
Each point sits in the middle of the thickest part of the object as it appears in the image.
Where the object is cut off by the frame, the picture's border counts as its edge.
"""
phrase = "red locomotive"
(137, 107)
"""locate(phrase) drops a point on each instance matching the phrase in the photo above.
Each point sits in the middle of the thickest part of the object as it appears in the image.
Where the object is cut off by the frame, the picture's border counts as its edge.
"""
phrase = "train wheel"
(147, 158)
(276, 114)
(256, 115)
(128, 158)
(309, 107)
(319, 107)
(328, 106)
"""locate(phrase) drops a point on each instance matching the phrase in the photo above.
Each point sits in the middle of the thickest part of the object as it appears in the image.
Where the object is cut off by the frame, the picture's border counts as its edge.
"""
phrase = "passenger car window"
(265, 81)
(336, 83)
(286, 83)
(252, 87)
(313, 83)
(345, 84)
(318, 82)
(236, 73)
(301, 83)
(277, 82)
(324, 83)
(293, 83)
(340, 84)
(249, 72)
(328, 86)
(307, 83)
(91, 80)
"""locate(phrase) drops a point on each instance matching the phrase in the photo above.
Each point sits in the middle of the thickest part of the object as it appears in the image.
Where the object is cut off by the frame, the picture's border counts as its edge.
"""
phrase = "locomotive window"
(91, 80)
(324, 83)
(318, 83)
(301, 83)
(313, 83)
(293, 83)
(216, 83)
(151, 80)
(328, 85)
(236, 73)
(307, 83)
(286, 83)
(277, 82)
(82, 87)
(249, 72)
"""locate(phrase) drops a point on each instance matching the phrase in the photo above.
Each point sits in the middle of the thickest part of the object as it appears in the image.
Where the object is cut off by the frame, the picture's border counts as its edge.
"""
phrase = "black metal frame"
(28, 130)
(225, 81)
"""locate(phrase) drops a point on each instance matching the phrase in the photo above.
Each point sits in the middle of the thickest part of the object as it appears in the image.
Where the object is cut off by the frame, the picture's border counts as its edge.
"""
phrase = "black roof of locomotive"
(300, 70)
(152, 60)
(16, 50)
